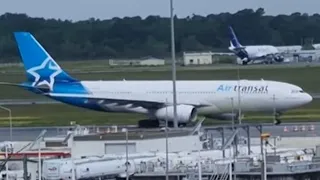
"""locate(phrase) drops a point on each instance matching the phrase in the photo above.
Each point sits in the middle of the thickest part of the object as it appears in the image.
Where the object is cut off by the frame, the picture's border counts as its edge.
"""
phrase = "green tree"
(137, 37)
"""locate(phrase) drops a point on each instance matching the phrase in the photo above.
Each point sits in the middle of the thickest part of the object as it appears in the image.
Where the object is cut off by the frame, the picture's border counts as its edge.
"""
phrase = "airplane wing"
(101, 100)
(131, 103)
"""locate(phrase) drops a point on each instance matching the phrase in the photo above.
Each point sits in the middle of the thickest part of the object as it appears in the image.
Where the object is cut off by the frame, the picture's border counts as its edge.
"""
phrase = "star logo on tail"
(45, 73)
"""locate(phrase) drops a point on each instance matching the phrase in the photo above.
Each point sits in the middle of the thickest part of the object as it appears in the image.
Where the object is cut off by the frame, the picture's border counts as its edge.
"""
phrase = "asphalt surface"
(293, 130)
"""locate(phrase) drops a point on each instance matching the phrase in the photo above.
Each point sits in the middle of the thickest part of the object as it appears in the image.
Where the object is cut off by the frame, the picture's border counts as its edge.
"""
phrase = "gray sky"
(105, 9)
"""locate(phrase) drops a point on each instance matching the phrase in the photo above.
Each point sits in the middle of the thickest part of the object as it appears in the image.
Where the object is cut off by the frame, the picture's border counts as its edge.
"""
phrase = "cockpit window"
(297, 91)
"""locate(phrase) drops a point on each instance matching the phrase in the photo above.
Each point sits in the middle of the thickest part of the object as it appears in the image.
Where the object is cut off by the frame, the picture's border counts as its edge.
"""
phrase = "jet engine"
(278, 58)
(245, 61)
(185, 113)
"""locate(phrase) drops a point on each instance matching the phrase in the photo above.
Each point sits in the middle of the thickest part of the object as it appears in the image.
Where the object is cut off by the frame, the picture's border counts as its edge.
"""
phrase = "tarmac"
(307, 129)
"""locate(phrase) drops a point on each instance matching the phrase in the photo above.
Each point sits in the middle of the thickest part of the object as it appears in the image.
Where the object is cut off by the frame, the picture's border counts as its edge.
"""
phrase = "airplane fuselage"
(209, 97)
(256, 52)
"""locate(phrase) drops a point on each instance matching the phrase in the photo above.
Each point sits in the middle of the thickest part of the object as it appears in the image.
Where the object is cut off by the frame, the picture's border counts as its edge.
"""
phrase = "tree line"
(132, 37)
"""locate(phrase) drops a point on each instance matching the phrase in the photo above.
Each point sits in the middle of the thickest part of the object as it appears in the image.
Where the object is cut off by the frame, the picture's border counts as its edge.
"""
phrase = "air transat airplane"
(254, 53)
(214, 99)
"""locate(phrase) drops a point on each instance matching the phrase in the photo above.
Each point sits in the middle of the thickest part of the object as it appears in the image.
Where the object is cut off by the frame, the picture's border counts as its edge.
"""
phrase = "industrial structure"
(242, 151)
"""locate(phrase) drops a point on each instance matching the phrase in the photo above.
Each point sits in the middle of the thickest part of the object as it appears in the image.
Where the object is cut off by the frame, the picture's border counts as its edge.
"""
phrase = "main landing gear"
(156, 124)
(148, 123)
(277, 120)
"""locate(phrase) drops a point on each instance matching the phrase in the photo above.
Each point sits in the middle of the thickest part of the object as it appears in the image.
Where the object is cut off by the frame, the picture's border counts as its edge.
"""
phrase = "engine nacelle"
(245, 61)
(185, 113)
(279, 58)
(225, 116)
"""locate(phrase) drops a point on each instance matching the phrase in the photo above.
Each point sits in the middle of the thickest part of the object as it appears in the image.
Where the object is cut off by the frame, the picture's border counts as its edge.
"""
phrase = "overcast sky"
(105, 9)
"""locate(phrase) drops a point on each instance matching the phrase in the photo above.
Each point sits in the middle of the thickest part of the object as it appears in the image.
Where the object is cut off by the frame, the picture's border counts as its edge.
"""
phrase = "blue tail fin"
(39, 65)
(234, 40)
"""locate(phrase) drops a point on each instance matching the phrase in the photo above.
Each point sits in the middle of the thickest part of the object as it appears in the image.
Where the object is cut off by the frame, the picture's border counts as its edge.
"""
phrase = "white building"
(151, 61)
(197, 58)
(201, 58)
(148, 61)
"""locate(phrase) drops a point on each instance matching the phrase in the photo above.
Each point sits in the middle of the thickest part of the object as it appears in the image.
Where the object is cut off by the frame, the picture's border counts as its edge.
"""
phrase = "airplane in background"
(254, 53)
(213, 99)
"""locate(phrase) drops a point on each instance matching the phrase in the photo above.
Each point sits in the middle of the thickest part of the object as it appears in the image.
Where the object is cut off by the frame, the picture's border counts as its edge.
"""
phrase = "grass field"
(61, 114)
(306, 76)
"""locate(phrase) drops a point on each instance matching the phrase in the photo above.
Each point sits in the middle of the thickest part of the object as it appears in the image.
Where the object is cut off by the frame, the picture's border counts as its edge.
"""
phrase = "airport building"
(202, 58)
(306, 56)
(147, 61)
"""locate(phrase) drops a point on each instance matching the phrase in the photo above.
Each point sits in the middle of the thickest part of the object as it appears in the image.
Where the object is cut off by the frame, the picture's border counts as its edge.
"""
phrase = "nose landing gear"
(277, 120)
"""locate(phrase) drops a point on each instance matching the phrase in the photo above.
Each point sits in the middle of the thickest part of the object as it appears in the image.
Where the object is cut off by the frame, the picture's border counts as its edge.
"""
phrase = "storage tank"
(53, 170)
(103, 168)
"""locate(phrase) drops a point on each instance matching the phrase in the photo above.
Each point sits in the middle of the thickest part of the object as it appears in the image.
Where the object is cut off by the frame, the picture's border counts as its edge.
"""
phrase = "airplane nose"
(308, 98)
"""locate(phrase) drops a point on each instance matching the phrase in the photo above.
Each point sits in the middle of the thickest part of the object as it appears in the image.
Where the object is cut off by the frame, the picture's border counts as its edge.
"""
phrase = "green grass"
(61, 114)
(307, 77)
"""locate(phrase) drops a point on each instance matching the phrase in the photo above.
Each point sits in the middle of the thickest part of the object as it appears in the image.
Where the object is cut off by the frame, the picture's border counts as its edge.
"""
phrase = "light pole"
(127, 174)
(239, 94)
(10, 119)
(73, 171)
(274, 109)
(199, 160)
(167, 148)
(232, 106)
(39, 160)
(265, 164)
(173, 55)
(234, 148)
(7, 166)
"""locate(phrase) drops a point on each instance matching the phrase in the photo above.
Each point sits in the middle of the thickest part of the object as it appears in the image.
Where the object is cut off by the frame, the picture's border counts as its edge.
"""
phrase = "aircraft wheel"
(277, 120)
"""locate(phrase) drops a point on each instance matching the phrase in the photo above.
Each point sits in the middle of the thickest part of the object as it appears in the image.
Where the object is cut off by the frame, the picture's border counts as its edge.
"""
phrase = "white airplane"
(215, 99)
(254, 53)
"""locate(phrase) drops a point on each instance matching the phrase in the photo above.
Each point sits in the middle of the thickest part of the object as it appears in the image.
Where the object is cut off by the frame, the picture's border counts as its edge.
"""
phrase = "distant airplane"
(254, 53)
(215, 99)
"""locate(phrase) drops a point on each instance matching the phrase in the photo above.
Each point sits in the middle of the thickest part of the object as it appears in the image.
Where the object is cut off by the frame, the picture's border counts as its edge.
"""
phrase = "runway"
(30, 133)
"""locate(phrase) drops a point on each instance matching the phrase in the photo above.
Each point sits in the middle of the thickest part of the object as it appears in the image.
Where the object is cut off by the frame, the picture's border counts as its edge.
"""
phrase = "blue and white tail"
(233, 39)
(40, 67)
